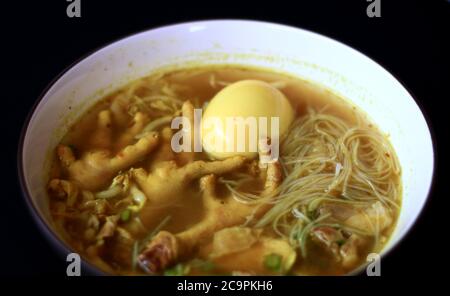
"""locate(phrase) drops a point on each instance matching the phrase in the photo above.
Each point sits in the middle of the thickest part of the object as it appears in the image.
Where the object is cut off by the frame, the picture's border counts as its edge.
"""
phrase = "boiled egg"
(231, 114)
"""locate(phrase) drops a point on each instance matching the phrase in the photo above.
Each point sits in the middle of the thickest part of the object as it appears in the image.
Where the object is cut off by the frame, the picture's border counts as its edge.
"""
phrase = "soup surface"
(124, 199)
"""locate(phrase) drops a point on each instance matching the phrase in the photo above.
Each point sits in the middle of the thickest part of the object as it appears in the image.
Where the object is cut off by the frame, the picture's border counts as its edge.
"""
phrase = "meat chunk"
(233, 239)
(372, 219)
(329, 237)
(345, 249)
(350, 251)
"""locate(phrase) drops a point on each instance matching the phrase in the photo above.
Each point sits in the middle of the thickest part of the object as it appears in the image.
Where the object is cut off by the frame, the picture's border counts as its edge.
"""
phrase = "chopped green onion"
(273, 262)
(207, 266)
(204, 265)
(125, 215)
(177, 270)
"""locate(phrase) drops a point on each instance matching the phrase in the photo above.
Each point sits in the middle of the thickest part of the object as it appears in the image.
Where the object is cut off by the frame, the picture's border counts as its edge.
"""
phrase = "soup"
(121, 196)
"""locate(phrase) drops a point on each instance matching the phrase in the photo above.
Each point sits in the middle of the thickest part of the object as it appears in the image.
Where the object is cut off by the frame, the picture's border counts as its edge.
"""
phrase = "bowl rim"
(63, 248)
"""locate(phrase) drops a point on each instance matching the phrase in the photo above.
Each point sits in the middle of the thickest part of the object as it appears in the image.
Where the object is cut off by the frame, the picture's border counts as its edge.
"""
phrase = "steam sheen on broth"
(124, 200)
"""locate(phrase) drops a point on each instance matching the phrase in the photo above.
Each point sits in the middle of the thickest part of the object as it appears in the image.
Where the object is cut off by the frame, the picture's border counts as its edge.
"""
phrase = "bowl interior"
(285, 49)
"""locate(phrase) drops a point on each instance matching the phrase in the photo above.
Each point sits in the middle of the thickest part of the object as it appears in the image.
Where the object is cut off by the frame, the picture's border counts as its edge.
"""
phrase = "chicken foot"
(167, 248)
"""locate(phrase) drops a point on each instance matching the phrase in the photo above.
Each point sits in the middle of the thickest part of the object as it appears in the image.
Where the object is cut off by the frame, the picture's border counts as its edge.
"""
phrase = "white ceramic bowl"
(282, 48)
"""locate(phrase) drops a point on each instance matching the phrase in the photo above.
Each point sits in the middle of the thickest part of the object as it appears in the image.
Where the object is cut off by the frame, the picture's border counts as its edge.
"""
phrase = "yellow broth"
(117, 252)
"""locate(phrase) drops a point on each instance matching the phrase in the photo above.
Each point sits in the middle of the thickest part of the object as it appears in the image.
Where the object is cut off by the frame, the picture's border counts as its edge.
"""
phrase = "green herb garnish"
(177, 270)
(125, 215)
(203, 265)
(273, 262)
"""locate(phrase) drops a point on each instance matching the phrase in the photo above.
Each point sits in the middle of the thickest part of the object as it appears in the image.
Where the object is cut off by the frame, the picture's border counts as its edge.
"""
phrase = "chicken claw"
(138, 124)
(96, 168)
(167, 248)
(167, 181)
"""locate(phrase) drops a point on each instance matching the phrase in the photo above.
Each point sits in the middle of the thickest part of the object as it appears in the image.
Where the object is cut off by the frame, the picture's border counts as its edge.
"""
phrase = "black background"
(39, 41)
